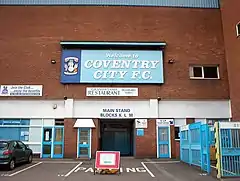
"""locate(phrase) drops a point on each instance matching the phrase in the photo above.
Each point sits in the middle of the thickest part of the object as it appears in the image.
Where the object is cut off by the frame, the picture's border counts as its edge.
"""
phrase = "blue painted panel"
(164, 3)
(9, 133)
(14, 133)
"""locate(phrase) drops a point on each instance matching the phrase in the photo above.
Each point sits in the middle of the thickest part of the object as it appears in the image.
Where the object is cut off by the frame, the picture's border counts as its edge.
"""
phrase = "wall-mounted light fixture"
(53, 61)
(54, 106)
(171, 61)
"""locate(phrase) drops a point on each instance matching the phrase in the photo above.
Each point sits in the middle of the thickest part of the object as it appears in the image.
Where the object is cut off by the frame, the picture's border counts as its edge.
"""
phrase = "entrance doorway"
(117, 135)
(52, 142)
(163, 142)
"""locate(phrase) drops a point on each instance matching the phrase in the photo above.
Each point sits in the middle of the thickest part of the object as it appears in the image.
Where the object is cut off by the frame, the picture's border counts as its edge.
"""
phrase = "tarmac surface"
(130, 169)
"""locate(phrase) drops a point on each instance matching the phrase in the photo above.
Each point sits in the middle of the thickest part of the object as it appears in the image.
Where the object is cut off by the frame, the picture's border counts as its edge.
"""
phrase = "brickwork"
(30, 38)
(146, 145)
(95, 137)
(230, 18)
(70, 139)
(195, 40)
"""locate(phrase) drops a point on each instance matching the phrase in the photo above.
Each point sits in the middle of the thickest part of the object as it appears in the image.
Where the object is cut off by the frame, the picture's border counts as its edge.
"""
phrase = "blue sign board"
(111, 66)
(140, 132)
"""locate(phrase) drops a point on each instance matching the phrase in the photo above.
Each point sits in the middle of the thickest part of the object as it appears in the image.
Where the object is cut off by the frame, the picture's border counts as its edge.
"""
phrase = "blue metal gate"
(228, 149)
(195, 145)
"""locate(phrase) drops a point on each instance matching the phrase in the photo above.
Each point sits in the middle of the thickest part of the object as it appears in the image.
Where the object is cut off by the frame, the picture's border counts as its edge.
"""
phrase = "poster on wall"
(112, 66)
(101, 91)
(164, 122)
(116, 113)
(141, 123)
(21, 90)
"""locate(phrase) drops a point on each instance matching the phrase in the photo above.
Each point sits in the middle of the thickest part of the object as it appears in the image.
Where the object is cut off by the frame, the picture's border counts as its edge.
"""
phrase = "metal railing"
(228, 148)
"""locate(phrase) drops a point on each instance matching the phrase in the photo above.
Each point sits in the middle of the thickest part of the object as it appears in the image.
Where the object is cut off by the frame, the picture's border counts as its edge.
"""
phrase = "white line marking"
(25, 169)
(57, 162)
(163, 162)
(71, 171)
(146, 168)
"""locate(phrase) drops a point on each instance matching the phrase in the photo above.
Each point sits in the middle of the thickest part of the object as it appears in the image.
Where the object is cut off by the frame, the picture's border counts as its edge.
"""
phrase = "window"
(47, 134)
(177, 133)
(204, 72)
(3, 145)
(21, 145)
(238, 29)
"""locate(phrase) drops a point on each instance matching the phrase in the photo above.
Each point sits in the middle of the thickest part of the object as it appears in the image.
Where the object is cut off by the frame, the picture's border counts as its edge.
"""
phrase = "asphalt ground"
(130, 169)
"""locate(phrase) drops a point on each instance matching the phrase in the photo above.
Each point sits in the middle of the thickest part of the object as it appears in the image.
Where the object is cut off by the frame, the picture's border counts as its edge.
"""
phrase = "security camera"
(65, 97)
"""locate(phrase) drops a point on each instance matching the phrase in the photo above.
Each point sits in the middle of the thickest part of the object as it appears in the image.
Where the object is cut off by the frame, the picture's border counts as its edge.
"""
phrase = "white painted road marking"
(20, 171)
(60, 162)
(163, 162)
(150, 173)
(128, 170)
(4, 175)
(71, 171)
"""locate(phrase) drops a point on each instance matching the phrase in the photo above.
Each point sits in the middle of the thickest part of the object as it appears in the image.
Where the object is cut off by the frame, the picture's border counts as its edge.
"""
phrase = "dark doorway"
(117, 135)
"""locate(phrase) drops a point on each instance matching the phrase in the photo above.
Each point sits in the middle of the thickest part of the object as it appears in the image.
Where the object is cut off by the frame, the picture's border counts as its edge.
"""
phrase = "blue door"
(84, 143)
(47, 142)
(58, 140)
(163, 142)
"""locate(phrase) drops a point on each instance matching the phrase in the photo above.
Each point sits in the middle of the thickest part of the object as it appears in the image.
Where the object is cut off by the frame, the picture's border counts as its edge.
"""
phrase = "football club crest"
(71, 65)
(4, 90)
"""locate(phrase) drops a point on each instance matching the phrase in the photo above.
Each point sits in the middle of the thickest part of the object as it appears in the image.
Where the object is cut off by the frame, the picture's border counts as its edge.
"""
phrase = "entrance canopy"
(84, 123)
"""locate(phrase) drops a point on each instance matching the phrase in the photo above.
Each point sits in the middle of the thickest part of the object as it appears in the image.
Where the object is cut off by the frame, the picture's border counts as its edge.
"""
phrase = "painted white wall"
(179, 122)
(31, 109)
(194, 109)
(204, 121)
(92, 108)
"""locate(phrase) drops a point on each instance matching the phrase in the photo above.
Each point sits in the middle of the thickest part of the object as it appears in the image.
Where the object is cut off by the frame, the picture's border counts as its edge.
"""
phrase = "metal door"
(47, 142)
(122, 143)
(58, 140)
(84, 142)
(163, 142)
